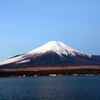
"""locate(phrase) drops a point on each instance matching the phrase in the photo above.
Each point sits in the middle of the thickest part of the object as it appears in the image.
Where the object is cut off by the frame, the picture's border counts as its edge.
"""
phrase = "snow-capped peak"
(57, 47)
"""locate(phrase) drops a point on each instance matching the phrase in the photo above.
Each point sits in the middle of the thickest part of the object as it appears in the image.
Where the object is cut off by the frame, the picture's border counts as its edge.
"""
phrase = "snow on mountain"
(12, 60)
(58, 47)
(55, 46)
(23, 61)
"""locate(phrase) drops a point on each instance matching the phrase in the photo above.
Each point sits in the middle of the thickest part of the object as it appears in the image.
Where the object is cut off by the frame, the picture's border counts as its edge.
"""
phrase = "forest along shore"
(50, 71)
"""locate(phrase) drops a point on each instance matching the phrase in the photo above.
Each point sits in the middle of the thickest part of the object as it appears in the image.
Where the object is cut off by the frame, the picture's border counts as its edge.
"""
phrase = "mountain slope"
(54, 53)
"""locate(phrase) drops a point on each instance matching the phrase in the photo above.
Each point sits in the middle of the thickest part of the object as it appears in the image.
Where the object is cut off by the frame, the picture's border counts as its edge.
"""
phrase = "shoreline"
(52, 73)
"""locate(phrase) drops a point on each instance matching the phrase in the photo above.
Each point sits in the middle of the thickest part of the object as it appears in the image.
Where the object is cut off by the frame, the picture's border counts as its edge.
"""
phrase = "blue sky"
(27, 24)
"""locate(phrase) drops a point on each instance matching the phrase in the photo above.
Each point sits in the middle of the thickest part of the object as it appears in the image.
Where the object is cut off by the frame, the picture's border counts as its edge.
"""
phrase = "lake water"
(50, 88)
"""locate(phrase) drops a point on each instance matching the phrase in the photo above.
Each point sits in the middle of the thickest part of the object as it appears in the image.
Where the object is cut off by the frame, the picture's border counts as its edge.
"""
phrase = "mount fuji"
(51, 54)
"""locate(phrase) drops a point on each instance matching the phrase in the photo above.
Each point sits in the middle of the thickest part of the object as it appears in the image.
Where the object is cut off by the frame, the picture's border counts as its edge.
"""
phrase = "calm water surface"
(50, 88)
